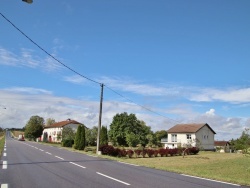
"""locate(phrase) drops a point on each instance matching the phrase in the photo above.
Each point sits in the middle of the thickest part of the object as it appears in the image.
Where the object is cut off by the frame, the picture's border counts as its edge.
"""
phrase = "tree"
(80, 138)
(68, 137)
(49, 122)
(91, 136)
(160, 135)
(124, 125)
(34, 127)
(104, 136)
(243, 142)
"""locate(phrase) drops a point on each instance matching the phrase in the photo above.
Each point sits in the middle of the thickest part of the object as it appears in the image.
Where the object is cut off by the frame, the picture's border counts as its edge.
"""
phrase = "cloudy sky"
(168, 62)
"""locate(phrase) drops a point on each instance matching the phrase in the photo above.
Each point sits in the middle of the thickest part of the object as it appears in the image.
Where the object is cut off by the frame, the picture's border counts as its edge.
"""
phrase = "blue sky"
(185, 60)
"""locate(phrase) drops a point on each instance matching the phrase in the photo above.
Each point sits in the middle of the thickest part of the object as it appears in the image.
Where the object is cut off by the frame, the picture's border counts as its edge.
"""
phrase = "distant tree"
(80, 138)
(243, 142)
(91, 136)
(34, 127)
(68, 136)
(160, 135)
(104, 136)
(49, 122)
(127, 125)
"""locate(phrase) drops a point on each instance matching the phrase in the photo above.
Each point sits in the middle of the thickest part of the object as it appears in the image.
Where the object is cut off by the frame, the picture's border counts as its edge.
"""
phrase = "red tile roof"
(188, 128)
(221, 143)
(63, 123)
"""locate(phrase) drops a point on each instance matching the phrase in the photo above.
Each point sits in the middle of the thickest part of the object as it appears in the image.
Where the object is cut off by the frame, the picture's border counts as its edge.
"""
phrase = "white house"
(53, 133)
(198, 135)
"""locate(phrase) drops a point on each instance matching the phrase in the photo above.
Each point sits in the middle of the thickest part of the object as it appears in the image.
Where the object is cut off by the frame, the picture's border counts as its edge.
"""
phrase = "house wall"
(181, 140)
(205, 138)
(55, 133)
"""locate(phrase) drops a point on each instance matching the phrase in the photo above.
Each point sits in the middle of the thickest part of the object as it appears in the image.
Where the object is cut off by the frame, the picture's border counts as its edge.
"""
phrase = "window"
(174, 137)
(189, 137)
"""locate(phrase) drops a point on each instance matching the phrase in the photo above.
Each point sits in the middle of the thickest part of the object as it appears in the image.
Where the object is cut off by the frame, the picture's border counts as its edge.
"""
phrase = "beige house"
(196, 135)
(53, 133)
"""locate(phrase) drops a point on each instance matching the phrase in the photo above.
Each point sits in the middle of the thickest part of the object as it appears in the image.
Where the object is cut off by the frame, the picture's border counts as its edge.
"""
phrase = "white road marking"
(48, 153)
(113, 178)
(4, 185)
(4, 154)
(77, 165)
(128, 163)
(41, 150)
(59, 158)
(4, 164)
(4, 149)
(211, 180)
(35, 147)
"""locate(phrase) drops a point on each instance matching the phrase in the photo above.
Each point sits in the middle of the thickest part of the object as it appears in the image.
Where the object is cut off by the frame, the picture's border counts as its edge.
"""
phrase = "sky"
(168, 62)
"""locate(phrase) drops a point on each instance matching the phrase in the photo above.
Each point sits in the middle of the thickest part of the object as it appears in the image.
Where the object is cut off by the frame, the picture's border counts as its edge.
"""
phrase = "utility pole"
(100, 122)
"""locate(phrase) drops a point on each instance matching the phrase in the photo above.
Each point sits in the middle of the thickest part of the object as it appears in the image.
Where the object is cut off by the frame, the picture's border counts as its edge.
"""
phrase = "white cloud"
(211, 112)
(76, 79)
(28, 90)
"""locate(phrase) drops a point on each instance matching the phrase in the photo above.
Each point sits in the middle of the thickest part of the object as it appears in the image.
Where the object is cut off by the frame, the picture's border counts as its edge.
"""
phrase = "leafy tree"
(34, 127)
(49, 122)
(124, 125)
(243, 142)
(91, 136)
(160, 135)
(68, 137)
(104, 136)
(132, 140)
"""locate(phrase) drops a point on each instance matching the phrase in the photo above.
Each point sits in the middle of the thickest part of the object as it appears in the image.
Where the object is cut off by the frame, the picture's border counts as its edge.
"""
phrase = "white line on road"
(210, 180)
(4, 154)
(77, 165)
(4, 185)
(128, 163)
(4, 149)
(41, 150)
(112, 178)
(4, 164)
(48, 153)
(59, 158)
(35, 147)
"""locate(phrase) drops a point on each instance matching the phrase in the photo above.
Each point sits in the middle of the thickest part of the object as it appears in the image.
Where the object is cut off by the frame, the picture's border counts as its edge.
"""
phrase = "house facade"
(195, 135)
(53, 133)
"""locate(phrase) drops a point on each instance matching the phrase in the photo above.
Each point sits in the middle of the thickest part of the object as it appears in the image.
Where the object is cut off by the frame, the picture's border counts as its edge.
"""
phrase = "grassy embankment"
(2, 142)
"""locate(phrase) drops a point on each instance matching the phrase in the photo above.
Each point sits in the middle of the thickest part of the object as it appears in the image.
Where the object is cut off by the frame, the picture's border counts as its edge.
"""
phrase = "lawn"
(228, 167)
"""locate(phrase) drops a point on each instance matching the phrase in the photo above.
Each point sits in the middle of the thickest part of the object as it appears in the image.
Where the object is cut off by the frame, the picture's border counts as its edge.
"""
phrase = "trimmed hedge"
(117, 152)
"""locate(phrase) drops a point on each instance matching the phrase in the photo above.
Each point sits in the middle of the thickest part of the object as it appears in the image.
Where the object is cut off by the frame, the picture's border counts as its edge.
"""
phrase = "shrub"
(107, 150)
(138, 152)
(122, 153)
(150, 152)
(156, 152)
(67, 143)
(130, 153)
(193, 150)
(144, 152)
(162, 152)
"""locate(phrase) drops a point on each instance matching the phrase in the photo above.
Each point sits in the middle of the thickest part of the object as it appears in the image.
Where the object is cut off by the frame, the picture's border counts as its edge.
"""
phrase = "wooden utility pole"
(100, 122)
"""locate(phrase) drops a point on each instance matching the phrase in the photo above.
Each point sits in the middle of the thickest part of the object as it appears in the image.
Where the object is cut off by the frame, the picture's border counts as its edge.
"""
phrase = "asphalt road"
(33, 165)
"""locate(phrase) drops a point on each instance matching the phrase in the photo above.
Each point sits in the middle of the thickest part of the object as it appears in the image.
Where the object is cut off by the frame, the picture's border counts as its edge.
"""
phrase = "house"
(196, 135)
(53, 133)
(222, 146)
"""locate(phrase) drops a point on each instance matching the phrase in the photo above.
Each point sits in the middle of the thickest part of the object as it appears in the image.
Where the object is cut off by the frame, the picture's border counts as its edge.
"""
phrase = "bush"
(138, 152)
(150, 152)
(163, 152)
(108, 150)
(67, 143)
(130, 153)
(193, 150)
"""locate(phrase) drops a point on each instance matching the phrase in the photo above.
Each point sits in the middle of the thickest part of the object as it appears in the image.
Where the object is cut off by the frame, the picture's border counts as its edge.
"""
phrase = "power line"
(101, 84)
(48, 52)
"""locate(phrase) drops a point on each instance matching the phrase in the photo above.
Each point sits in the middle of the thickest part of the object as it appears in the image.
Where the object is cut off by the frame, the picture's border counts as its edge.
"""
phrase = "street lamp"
(28, 1)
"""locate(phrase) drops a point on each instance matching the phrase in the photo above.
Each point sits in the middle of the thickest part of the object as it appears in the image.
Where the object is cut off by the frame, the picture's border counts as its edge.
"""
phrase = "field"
(16, 133)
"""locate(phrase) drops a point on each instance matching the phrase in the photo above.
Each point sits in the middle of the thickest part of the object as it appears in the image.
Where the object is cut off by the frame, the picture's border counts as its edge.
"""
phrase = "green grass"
(228, 167)
(2, 142)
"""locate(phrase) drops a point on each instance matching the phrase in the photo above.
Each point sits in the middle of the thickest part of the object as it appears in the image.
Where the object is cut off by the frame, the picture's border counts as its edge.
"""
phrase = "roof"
(63, 123)
(221, 143)
(188, 128)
